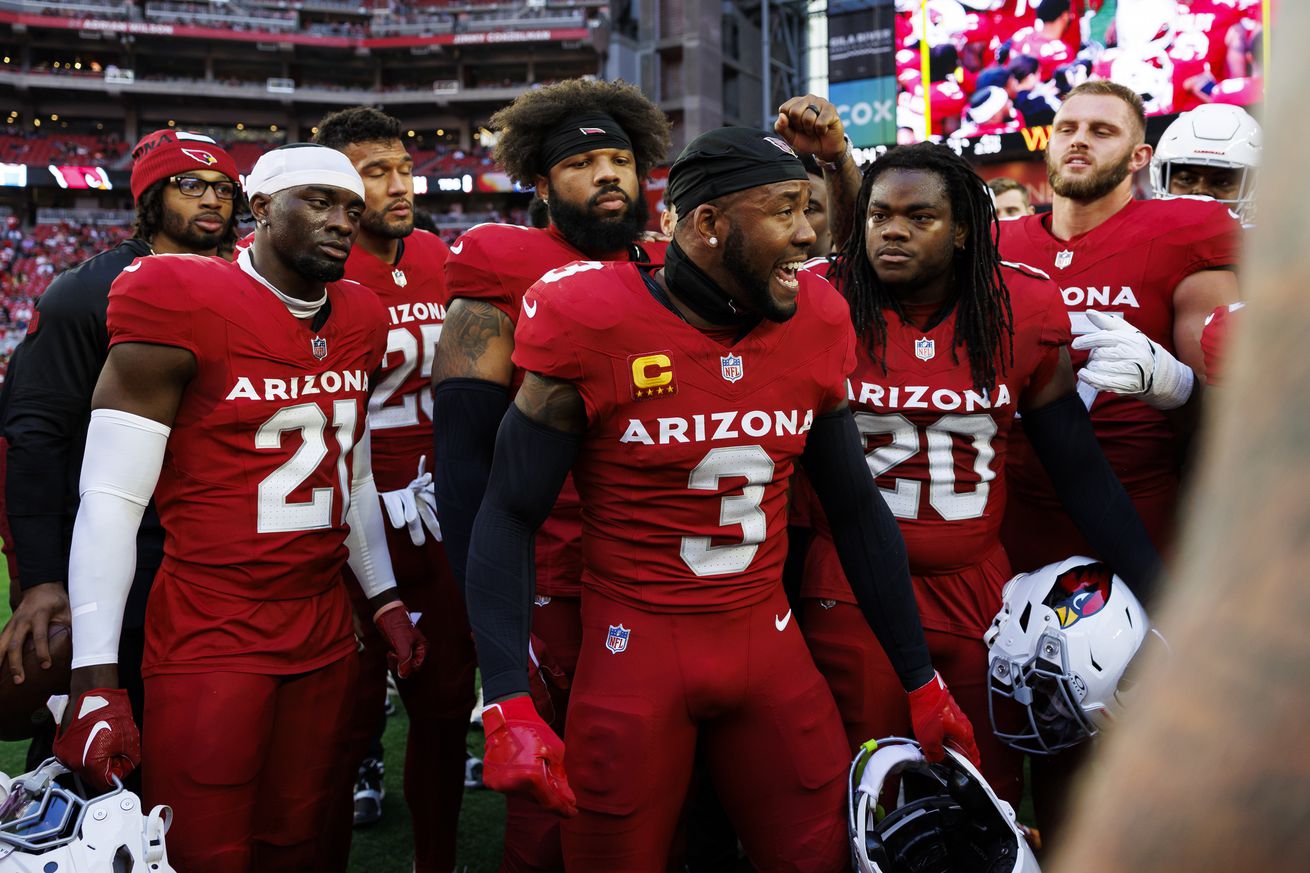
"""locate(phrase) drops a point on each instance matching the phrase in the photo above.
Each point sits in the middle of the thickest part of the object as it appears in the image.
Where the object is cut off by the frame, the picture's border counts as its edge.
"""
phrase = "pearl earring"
(714, 240)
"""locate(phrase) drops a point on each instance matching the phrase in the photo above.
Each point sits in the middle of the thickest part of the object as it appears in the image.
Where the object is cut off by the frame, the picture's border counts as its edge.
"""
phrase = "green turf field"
(385, 847)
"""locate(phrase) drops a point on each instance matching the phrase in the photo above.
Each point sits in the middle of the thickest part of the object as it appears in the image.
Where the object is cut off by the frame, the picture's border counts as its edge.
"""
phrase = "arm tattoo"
(552, 402)
(472, 328)
(843, 190)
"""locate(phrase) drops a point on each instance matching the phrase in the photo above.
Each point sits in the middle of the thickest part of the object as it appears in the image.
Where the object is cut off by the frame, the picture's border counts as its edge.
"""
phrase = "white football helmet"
(1058, 649)
(1213, 135)
(46, 826)
(946, 818)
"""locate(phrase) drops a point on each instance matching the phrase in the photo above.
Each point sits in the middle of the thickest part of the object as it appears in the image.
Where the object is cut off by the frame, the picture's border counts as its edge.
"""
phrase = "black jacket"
(48, 408)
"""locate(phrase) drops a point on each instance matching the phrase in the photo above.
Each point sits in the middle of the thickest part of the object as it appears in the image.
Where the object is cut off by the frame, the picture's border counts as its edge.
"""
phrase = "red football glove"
(101, 740)
(546, 679)
(937, 717)
(406, 645)
(524, 756)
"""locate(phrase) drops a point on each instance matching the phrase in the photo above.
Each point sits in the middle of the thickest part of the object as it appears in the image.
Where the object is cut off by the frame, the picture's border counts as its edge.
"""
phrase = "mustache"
(605, 192)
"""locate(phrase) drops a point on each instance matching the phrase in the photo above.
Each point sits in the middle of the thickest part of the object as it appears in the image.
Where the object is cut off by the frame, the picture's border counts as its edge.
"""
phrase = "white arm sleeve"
(124, 453)
(367, 540)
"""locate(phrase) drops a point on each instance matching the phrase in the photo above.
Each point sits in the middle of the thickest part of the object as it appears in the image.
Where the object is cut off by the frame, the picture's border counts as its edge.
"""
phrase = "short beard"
(318, 269)
(592, 235)
(375, 223)
(758, 296)
(181, 231)
(1092, 187)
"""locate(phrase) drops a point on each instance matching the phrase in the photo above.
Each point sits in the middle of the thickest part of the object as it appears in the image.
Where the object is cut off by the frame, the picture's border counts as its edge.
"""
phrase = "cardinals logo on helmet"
(1080, 592)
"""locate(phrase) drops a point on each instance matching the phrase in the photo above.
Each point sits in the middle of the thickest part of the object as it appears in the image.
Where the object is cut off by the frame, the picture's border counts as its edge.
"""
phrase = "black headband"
(582, 133)
(728, 160)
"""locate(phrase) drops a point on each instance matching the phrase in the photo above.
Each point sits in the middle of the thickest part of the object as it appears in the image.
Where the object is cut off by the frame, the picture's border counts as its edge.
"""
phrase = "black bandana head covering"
(582, 133)
(728, 160)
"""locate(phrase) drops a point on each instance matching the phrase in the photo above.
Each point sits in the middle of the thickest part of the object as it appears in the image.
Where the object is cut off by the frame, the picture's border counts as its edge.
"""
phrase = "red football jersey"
(937, 449)
(254, 486)
(1050, 53)
(1127, 266)
(498, 263)
(690, 443)
(1206, 24)
(413, 292)
(1215, 338)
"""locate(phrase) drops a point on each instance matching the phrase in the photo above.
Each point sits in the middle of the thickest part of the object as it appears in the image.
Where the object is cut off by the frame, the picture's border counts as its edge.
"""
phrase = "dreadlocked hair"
(150, 216)
(984, 323)
(525, 123)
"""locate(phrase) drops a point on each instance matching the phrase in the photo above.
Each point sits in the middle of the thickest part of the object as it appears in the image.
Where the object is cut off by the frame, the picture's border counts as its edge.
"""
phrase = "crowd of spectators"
(994, 69)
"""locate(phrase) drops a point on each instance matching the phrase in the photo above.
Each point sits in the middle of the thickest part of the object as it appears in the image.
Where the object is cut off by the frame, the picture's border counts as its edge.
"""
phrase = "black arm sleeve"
(868, 542)
(1061, 434)
(45, 425)
(532, 461)
(465, 415)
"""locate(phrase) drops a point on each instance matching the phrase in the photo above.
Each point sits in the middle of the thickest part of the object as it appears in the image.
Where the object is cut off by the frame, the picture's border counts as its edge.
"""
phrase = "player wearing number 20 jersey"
(251, 489)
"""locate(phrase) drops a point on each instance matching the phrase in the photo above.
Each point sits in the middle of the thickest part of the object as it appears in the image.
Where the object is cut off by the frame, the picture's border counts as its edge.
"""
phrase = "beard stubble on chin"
(587, 233)
(179, 228)
(319, 269)
(1092, 187)
(376, 223)
(758, 295)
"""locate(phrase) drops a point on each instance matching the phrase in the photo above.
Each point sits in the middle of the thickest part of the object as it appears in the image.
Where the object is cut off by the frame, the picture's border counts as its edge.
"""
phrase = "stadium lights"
(272, 128)
(54, 117)
(411, 134)
(440, 132)
(240, 126)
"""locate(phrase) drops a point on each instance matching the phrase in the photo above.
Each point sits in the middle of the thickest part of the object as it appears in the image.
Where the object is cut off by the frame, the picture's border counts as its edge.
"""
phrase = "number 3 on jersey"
(404, 413)
(903, 497)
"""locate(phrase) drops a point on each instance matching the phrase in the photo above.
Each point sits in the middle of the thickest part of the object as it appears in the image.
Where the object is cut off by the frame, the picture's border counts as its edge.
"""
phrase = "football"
(22, 707)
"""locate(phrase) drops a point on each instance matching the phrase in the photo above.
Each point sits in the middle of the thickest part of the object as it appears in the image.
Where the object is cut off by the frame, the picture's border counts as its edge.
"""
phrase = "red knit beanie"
(168, 152)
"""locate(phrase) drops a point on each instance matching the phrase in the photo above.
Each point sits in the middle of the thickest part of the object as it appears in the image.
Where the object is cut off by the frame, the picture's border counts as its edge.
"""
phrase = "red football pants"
(872, 701)
(532, 835)
(247, 762)
(438, 699)
(743, 684)
(1035, 534)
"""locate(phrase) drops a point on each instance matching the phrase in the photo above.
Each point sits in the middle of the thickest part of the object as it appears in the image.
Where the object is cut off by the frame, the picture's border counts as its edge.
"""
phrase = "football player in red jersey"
(1160, 267)
(681, 398)
(240, 390)
(586, 146)
(405, 268)
(955, 341)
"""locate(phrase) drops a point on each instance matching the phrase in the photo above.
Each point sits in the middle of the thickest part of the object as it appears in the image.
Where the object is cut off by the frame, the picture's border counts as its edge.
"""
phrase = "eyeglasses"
(191, 186)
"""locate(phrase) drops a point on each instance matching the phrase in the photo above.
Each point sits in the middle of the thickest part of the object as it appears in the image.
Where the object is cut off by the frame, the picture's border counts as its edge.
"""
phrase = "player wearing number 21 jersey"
(682, 398)
(236, 393)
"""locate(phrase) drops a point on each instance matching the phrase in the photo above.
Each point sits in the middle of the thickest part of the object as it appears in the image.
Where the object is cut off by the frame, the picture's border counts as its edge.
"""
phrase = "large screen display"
(1000, 66)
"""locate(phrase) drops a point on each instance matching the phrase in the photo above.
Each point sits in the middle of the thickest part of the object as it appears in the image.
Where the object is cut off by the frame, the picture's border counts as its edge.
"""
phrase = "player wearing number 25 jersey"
(682, 398)
(236, 393)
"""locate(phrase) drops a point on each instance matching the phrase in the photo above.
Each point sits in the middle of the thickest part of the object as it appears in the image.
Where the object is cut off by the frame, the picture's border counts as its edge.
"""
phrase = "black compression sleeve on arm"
(868, 542)
(1061, 434)
(532, 461)
(465, 415)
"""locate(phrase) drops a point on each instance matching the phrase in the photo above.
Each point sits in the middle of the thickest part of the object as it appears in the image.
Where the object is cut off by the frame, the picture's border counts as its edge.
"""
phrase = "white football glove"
(1124, 361)
(414, 507)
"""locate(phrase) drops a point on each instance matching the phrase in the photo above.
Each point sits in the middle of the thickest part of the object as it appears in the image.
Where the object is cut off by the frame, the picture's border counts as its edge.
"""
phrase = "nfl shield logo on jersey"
(318, 346)
(1063, 259)
(731, 367)
(925, 349)
(398, 276)
(617, 640)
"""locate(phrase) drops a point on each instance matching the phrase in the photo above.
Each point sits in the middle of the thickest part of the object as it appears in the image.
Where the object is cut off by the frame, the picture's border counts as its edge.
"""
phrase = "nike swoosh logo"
(99, 726)
(132, 267)
(781, 623)
(529, 307)
(457, 247)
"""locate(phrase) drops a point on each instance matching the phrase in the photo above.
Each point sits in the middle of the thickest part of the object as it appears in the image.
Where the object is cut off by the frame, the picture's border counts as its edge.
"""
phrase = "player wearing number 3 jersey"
(682, 398)
(954, 343)
(241, 390)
